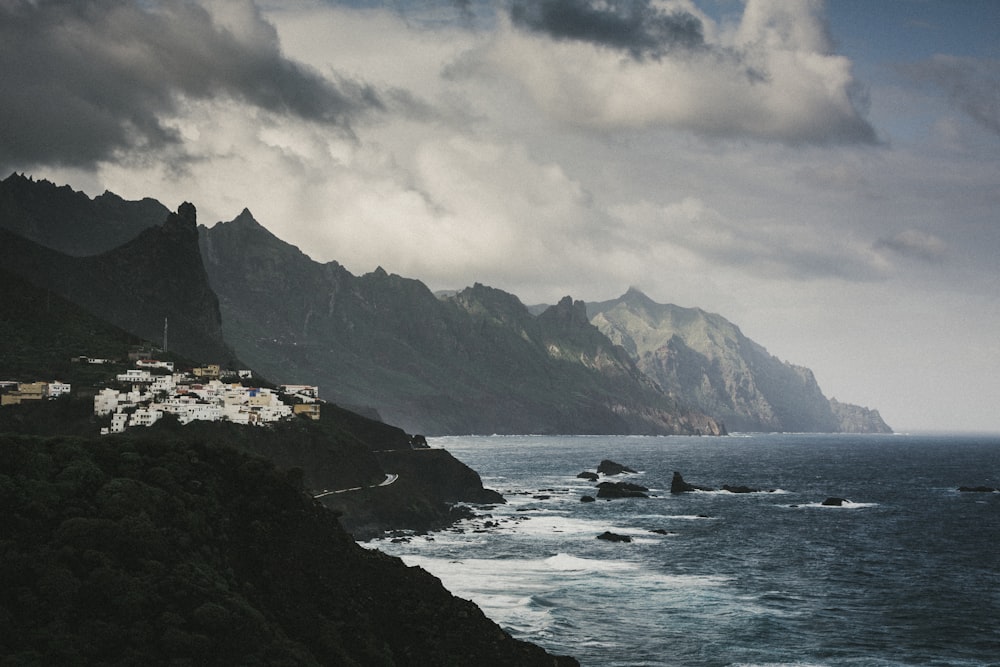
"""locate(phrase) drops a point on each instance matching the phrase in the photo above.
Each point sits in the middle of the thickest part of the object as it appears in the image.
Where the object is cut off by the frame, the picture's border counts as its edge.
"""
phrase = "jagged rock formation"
(709, 364)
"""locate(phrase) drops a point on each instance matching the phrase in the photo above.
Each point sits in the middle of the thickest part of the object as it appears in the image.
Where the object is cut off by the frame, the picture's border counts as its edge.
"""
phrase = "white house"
(57, 388)
(145, 417)
(135, 375)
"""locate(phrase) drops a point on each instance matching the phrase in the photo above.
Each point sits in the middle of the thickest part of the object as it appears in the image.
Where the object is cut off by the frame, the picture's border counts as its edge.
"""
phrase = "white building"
(152, 363)
(145, 417)
(135, 375)
(57, 388)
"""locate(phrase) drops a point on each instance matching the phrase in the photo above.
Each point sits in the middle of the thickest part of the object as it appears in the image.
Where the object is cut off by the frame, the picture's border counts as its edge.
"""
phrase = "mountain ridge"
(475, 360)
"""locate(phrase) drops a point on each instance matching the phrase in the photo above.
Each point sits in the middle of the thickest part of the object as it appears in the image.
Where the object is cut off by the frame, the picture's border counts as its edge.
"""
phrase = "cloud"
(638, 27)
(772, 78)
(914, 244)
(709, 241)
(972, 84)
(83, 81)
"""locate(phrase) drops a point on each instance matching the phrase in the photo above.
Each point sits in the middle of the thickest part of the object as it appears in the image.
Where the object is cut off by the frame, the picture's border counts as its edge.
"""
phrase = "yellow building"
(310, 410)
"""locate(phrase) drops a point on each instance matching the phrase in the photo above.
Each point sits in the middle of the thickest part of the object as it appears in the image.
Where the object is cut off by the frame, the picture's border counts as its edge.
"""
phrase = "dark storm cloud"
(972, 84)
(634, 26)
(82, 80)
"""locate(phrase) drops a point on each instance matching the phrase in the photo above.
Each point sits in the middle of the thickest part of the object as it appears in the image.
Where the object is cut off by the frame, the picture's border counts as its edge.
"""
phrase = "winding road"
(390, 477)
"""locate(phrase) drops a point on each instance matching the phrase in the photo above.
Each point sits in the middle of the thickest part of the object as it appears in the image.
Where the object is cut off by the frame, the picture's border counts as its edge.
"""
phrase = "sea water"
(907, 572)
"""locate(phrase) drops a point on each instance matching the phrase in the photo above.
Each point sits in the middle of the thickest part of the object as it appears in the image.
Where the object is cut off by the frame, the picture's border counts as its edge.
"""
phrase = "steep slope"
(707, 362)
(477, 362)
(68, 221)
(156, 278)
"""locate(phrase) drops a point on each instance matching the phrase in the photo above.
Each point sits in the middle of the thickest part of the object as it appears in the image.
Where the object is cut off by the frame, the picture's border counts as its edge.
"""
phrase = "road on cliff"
(390, 478)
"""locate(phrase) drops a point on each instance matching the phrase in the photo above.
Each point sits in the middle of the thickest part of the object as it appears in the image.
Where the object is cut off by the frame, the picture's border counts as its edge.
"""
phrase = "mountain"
(708, 363)
(470, 361)
(476, 362)
(156, 279)
(63, 219)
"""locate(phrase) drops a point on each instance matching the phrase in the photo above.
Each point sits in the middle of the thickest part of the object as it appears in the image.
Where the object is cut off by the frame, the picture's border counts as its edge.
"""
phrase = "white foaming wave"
(567, 563)
(847, 504)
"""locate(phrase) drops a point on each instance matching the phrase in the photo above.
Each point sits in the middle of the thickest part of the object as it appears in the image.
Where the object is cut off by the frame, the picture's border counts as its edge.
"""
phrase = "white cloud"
(772, 79)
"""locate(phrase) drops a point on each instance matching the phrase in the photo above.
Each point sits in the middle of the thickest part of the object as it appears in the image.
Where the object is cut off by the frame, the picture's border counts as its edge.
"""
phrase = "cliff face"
(708, 363)
(156, 277)
(477, 362)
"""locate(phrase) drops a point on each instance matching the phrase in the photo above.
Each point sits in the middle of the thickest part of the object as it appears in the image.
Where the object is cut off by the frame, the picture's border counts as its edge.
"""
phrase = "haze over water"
(906, 573)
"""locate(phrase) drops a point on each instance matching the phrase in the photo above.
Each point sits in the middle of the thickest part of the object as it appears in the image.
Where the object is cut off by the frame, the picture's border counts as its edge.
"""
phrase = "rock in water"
(678, 485)
(613, 537)
(620, 490)
(833, 501)
(612, 468)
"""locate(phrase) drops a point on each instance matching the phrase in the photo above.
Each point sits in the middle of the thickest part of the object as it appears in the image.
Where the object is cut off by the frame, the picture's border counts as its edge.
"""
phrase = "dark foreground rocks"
(177, 552)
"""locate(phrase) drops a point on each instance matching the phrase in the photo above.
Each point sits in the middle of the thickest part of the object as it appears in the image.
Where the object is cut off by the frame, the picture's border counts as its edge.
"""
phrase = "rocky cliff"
(708, 363)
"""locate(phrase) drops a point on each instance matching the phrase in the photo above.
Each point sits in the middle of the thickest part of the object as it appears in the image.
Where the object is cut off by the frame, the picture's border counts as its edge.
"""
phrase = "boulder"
(833, 501)
(678, 485)
(613, 537)
(587, 499)
(621, 490)
(592, 476)
(611, 468)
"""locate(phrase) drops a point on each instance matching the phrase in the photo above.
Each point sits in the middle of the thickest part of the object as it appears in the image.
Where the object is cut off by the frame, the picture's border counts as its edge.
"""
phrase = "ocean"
(907, 572)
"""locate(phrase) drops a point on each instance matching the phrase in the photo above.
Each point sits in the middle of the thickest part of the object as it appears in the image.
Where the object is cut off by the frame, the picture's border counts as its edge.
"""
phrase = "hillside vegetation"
(175, 551)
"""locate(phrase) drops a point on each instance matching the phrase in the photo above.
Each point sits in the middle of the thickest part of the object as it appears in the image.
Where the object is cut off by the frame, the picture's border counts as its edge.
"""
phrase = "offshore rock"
(678, 485)
(608, 467)
(613, 537)
(592, 476)
(977, 489)
(621, 490)
(833, 501)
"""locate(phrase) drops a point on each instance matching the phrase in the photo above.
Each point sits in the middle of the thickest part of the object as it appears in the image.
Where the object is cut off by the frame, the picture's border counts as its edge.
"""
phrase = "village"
(142, 395)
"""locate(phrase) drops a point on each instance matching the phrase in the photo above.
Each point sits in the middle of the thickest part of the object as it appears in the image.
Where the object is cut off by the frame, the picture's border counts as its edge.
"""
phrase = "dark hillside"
(172, 551)
(40, 332)
(154, 278)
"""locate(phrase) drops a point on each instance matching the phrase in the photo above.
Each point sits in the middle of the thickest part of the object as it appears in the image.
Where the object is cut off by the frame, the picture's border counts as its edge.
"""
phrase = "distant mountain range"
(473, 361)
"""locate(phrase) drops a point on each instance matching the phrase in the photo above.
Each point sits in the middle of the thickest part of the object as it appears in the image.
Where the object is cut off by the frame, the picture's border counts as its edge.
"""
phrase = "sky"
(824, 175)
